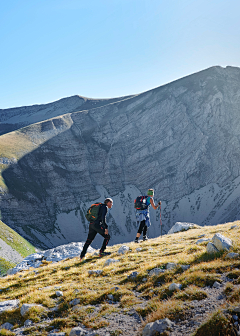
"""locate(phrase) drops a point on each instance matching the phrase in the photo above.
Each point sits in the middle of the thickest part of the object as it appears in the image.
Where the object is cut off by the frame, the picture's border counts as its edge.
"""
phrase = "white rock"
(203, 235)
(77, 331)
(216, 284)
(74, 302)
(156, 271)
(179, 226)
(97, 272)
(185, 267)
(7, 326)
(144, 279)
(211, 248)
(158, 326)
(232, 255)
(59, 293)
(57, 334)
(110, 297)
(27, 306)
(8, 305)
(34, 257)
(221, 242)
(110, 261)
(199, 241)
(171, 266)
(27, 323)
(174, 286)
(123, 249)
(139, 249)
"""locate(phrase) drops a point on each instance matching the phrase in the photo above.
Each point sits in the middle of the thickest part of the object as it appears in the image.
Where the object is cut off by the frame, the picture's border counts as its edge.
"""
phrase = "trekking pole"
(161, 218)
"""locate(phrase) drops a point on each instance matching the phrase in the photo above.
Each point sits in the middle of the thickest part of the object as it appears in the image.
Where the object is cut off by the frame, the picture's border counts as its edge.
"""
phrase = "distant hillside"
(13, 248)
(182, 139)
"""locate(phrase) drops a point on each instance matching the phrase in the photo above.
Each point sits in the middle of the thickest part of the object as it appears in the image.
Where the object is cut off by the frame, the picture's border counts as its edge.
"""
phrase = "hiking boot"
(136, 241)
(145, 238)
(103, 254)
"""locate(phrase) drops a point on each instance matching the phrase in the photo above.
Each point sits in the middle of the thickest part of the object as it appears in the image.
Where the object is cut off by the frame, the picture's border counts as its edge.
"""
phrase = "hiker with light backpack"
(142, 204)
(96, 215)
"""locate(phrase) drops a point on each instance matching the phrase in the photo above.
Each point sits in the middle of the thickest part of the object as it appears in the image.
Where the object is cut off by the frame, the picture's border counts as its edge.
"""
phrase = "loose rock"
(123, 249)
(8, 305)
(156, 271)
(110, 261)
(97, 272)
(7, 326)
(232, 255)
(179, 226)
(27, 306)
(211, 248)
(222, 243)
(158, 326)
(175, 286)
(77, 331)
(59, 293)
(74, 302)
(171, 266)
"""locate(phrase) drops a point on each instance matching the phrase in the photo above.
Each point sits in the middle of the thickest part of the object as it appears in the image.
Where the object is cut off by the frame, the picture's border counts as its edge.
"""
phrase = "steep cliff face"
(182, 139)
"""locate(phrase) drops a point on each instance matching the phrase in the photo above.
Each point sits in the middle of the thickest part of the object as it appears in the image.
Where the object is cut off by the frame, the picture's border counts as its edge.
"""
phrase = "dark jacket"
(102, 216)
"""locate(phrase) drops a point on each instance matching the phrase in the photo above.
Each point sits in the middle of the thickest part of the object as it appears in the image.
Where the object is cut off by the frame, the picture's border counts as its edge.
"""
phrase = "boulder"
(211, 248)
(123, 249)
(139, 249)
(222, 243)
(158, 326)
(232, 255)
(27, 323)
(156, 271)
(171, 266)
(8, 305)
(216, 284)
(7, 326)
(57, 334)
(59, 293)
(185, 267)
(179, 226)
(77, 331)
(27, 306)
(110, 261)
(110, 297)
(175, 286)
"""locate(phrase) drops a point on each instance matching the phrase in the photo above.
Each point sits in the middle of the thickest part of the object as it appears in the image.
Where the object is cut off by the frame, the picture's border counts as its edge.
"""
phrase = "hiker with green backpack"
(96, 215)
(142, 204)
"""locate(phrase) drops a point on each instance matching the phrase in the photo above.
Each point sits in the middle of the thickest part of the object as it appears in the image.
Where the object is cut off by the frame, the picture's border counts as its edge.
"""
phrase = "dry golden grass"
(75, 282)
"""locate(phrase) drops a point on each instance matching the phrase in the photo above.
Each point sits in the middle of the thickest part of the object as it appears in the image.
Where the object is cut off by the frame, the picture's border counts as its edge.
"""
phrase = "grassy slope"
(75, 281)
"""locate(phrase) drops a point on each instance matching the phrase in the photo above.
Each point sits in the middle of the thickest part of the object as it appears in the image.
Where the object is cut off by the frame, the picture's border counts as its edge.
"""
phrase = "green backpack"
(92, 213)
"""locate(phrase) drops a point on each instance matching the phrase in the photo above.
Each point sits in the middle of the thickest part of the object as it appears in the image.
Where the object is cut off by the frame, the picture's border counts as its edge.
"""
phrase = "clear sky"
(50, 49)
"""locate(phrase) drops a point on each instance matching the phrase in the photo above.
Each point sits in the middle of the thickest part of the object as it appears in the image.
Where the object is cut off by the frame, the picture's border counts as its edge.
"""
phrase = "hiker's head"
(108, 202)
(150, 192)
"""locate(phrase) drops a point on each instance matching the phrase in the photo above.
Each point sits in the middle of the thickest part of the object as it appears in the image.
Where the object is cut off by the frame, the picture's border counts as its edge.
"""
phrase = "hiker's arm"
(103, 216)
(153, 205)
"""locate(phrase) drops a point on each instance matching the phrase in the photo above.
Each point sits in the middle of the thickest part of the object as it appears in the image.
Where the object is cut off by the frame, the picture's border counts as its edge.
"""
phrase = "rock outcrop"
(182, 139)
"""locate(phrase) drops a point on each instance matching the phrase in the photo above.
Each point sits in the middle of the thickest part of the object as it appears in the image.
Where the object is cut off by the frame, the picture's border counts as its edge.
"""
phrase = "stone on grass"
(222, 243)
(179, 226)
(27, 306)
(59, 293)
(139, 249)
(110, 297)
(185, 267)
(216, 284)
(97, 272)
(8, 305)
(57, 334)
(234, 226)
(27, 323)
(115, 288)
(203, 240)
(123, 249)
(77, 331)
(171, 266)
(74, 302)
(232, 255)
(7, 326)
(236, 309)
(158, 326)
(211, 248)
(133, 275)
(144, 279)
(110, 261)
(156, 271)
(175, 286)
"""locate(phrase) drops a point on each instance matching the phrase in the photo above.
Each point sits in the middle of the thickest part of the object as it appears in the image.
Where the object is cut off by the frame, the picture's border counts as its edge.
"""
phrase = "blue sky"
(50, 49)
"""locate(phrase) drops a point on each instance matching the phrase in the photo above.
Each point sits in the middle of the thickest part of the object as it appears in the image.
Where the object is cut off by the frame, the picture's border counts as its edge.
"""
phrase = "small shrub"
(217, 325)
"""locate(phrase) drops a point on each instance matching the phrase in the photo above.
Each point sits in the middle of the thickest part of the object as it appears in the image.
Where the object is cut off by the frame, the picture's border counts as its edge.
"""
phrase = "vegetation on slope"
(149, 295)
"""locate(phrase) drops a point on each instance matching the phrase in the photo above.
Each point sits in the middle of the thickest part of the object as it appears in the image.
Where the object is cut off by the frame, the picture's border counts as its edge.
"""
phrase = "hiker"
(98, 226)
(142, 204)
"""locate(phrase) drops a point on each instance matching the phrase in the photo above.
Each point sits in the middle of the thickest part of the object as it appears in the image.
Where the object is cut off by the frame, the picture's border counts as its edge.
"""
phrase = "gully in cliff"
(142, 204)
(96, 215)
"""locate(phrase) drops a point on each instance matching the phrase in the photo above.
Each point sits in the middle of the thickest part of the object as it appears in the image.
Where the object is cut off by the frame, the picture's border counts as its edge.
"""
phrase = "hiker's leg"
(100, 229)
(91, 235)
(145, 233)
(141, 226)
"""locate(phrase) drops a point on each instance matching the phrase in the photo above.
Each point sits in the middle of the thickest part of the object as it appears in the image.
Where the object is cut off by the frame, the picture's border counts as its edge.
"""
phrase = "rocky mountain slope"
(182, 139)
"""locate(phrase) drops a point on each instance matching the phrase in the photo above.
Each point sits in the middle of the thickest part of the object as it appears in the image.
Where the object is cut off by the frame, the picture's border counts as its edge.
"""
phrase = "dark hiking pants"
(142, 228)
(95, 228)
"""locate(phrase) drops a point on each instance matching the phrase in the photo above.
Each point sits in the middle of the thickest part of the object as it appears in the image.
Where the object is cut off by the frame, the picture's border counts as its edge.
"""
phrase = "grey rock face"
(221, 242)
(171, 138)
(211, 248)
